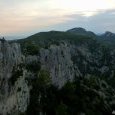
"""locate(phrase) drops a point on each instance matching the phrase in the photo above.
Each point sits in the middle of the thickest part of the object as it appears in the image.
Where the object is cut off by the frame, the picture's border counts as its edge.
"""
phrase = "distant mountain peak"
(77, 29)
(108, 35)
(81, 31)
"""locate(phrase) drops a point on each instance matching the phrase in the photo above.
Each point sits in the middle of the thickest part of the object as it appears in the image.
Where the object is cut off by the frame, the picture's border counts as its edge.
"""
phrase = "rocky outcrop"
(67, 61)
(14, 97)
(64, 62)
(57, 60)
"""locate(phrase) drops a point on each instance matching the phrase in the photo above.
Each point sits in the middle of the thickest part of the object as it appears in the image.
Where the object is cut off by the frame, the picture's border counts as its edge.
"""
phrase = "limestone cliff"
(64, 61)
(14, 93)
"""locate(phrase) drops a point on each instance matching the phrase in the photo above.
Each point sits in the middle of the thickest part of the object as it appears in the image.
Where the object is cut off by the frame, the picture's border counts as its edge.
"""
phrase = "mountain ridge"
(51, 71)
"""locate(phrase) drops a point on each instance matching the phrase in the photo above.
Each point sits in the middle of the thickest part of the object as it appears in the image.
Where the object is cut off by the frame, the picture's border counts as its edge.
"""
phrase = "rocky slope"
(14, 93)
(65, 56)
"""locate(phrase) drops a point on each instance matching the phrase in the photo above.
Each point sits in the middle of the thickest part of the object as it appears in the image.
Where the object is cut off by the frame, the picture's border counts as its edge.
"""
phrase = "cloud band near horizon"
(24, 16)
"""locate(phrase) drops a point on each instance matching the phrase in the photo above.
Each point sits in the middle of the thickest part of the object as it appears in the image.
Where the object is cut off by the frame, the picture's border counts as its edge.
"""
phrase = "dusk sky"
(25, 17)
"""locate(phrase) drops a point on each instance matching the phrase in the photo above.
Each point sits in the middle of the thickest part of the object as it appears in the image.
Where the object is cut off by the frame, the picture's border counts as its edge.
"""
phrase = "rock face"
(57, 60)
(10, 55)
(13, 97)
(67, 61)
(64, 62)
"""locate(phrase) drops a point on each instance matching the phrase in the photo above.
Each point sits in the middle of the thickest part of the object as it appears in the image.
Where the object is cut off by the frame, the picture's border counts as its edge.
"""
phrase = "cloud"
(23, 16)
(100, 22)
(13, 22)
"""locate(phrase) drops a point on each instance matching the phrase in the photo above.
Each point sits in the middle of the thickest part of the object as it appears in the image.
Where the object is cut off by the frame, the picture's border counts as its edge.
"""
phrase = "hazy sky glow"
(25, 16)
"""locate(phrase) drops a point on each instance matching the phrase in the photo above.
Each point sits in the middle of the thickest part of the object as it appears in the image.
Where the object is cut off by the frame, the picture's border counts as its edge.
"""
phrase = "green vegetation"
(16, 73)
(32, 44)
(89, 95)
(38, 93)
(44, 78)
(30, 48)
(61, 109)
(33, 66)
